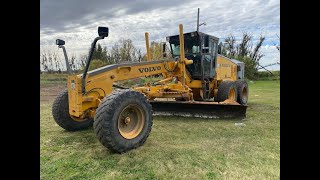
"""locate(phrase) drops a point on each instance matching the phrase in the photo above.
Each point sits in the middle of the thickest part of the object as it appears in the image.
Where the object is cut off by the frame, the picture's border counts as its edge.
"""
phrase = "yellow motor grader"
(196, 81)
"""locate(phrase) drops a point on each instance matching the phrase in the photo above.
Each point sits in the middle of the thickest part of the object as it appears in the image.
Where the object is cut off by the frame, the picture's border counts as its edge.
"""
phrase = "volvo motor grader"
(196, 81)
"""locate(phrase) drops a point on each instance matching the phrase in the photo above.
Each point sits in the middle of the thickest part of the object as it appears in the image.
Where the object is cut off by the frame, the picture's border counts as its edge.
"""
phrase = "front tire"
(123, 120)
(60, 113)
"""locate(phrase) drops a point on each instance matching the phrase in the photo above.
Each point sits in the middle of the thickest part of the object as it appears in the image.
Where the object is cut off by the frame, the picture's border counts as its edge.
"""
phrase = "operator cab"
(199, 47)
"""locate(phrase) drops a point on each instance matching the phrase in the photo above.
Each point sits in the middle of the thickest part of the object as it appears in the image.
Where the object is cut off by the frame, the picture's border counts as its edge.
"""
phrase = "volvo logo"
(149, 69)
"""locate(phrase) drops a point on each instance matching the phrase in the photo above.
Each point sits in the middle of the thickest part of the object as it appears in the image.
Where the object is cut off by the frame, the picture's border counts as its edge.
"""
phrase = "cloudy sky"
(76, 21)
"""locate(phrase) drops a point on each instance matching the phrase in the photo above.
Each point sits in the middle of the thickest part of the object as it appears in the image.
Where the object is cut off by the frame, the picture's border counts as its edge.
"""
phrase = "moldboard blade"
(198, 109)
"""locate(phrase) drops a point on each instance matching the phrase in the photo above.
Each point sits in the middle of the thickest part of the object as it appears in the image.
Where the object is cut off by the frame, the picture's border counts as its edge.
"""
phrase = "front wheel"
(123, 120)
(60, 113)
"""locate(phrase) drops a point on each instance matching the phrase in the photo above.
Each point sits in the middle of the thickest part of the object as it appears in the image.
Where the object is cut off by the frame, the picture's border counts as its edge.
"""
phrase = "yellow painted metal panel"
(225, 69)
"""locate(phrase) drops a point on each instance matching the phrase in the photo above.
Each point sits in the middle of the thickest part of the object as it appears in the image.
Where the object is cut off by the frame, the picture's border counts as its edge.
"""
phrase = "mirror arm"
(93, 45)
(66, 58)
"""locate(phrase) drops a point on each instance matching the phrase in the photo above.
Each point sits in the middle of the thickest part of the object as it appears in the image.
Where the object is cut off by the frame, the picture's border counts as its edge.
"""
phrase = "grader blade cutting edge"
(198, 109)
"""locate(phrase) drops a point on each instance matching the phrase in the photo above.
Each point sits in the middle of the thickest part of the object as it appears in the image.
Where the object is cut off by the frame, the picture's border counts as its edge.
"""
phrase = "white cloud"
(223, 17)
(272, 55)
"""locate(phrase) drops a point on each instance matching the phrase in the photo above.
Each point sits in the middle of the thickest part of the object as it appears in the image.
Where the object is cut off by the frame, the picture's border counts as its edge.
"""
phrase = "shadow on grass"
(194, 119)
(87, 141)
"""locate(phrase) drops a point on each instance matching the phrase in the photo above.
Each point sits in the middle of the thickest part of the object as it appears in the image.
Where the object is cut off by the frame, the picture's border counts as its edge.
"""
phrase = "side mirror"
(59, 42)
(163, 49)
(103, 31)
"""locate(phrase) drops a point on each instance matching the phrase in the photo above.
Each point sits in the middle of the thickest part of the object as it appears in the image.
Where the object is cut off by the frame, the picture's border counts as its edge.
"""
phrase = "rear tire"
(123, 120)
(60, 113)
(242, 91)
(227, 90)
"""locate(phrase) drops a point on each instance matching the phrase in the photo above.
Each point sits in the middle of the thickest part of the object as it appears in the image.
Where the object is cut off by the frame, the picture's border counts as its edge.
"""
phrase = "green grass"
(53, 79)
(266, 76)
(177, 148)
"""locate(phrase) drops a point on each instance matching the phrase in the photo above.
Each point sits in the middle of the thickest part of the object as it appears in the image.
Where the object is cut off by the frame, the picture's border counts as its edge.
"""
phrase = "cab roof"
(193, 33)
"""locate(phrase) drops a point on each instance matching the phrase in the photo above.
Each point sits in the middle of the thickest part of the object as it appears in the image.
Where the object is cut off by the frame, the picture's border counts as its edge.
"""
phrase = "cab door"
(209, 55)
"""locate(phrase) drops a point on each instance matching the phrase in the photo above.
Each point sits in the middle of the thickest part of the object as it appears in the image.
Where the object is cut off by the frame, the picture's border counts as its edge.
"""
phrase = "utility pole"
(198, 25)
(198, 20)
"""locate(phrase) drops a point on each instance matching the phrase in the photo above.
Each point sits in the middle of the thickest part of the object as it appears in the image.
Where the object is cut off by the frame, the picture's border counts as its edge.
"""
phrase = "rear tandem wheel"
(227, 90)
(242, 91)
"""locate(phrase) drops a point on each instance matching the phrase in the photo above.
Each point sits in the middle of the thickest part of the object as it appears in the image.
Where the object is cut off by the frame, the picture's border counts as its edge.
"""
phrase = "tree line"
(121, 52)
(124, 51)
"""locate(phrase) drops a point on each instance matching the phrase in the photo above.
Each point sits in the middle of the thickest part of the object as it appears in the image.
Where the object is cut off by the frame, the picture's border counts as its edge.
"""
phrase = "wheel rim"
(232, 94)
(131, 121)
(244, 94)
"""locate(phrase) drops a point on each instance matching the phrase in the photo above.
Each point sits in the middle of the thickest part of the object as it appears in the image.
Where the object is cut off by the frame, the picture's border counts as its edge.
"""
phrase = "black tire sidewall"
(106, 120)
(242, 84)
(60, 112)
(224, 90)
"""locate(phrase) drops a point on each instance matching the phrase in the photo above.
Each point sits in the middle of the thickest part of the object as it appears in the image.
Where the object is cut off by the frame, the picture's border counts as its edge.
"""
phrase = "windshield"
(191, 46)
(188, 50)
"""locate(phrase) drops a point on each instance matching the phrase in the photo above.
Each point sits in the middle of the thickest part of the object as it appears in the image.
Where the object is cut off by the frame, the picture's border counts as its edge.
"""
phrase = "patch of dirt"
(49, 92)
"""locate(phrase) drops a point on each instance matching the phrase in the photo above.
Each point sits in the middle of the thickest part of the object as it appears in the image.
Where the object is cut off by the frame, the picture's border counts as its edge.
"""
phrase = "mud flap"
(198, 109)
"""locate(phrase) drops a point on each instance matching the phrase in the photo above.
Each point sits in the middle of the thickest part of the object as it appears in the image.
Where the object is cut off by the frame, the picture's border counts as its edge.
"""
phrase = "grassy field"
(177, 148)
(53, 79)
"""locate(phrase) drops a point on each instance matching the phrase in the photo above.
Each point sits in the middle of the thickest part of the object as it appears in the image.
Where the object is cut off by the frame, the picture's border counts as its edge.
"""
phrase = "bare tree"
(243, 49)
(43, 60)
(139, 55)
(49, 60)
(72, 62)
(244, 52)
(256, 55)
(115, 53)
(230, 45)
(56, 62)
(122, 51)
(83, 60)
